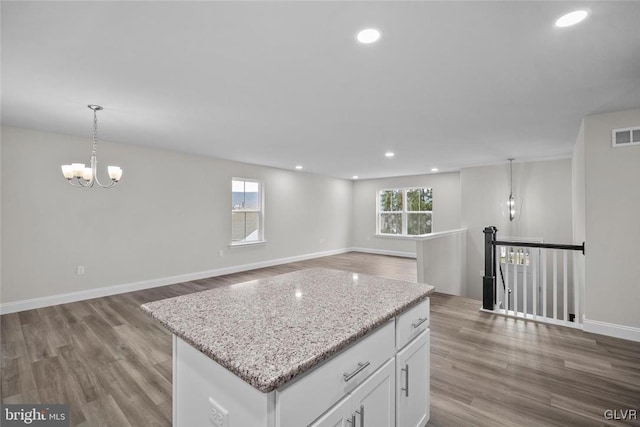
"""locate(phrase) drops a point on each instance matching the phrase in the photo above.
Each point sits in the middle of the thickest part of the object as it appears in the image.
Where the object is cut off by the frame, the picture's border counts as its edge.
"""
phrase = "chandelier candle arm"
(80, 176)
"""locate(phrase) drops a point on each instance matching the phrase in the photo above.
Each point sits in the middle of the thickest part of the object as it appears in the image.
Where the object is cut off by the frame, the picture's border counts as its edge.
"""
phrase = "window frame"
(404, 212)
(259, 211)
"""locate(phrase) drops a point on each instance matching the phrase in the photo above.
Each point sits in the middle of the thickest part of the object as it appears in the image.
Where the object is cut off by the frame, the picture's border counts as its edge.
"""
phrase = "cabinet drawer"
(411, 323)
(301, 402)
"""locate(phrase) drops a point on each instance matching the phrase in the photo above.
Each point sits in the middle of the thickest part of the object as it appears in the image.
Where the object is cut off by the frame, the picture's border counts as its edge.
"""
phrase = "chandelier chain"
(95, 132)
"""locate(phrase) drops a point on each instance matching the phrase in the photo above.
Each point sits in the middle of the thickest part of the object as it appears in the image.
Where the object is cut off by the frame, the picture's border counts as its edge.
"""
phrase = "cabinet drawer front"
(411, 323)
(301, 402)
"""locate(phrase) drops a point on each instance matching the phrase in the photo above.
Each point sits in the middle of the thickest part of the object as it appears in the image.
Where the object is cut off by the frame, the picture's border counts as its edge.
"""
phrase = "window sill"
(255, 242)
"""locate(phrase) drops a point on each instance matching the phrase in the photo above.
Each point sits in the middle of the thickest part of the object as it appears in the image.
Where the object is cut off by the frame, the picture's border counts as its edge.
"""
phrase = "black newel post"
(489, 278)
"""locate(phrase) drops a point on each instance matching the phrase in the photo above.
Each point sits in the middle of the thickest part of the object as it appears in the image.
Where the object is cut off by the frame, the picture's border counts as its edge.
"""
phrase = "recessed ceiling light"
(389, 154)
(434, 169)
(355, 177)
(571, 18)
(298, 167)
(370, 35)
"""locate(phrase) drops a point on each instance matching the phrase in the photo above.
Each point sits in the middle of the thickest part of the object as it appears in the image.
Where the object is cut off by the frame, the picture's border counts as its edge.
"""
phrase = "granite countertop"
(271, 330)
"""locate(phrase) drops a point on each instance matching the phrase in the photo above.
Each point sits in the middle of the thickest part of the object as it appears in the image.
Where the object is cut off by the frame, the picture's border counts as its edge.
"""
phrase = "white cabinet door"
(374, 401)
(412, 373)
(340, 415)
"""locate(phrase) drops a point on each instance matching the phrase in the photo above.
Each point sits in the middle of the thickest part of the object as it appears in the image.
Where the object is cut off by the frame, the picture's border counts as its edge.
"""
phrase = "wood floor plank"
(80, 369)
(37, 341)
(113, 364)
(105, 412)
(17, 377)
(57, 387)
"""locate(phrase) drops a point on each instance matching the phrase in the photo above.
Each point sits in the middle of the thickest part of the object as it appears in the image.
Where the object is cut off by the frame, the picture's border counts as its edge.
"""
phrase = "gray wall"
(579, 207)
(446, 209)
(612, 228)
(442, 261)
(169, 216)
(545, 190)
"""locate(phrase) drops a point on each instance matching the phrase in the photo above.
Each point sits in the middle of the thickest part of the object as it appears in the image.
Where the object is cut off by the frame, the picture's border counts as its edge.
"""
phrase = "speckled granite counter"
(271, 330)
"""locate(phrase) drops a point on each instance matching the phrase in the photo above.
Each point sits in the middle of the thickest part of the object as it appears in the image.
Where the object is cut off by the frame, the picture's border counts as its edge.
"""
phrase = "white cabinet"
(412, 323)
(304, 400)
(339, 416)
(364, 385)
(372, 404)
(412, 389)
(375, 400)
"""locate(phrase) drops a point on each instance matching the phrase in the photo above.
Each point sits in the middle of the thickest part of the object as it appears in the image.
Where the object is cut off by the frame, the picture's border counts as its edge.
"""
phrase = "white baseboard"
(29, 304)
(385, 252)
(613, 330)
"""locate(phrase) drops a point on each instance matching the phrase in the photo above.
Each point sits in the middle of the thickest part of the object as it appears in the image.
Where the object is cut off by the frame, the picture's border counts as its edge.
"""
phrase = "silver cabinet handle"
(347, 376)
(419, 322)
(352, 421)
(361, 413)
(406, 380)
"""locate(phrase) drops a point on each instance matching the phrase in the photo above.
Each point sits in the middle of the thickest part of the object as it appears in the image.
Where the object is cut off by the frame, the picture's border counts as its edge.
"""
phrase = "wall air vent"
(625, 136)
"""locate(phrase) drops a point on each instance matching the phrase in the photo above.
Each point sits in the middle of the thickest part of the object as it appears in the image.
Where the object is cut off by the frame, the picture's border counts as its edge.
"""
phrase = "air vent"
(625, 136)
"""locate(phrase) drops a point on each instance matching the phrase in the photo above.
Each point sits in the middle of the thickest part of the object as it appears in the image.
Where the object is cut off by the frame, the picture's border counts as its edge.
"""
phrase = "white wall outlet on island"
(80, 270)
(221, 253)
(218, 416)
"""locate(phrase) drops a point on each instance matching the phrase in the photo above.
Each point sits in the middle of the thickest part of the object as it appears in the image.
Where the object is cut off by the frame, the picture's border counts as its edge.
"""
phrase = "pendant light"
(80, 176)
(511, 210)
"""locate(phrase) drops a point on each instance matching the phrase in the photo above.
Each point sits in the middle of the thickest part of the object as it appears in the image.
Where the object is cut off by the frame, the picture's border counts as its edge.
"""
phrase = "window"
(246, 211)
(405, 212)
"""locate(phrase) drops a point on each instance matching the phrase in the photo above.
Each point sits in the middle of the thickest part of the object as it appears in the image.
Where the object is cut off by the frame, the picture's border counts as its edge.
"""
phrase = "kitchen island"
(313, 347)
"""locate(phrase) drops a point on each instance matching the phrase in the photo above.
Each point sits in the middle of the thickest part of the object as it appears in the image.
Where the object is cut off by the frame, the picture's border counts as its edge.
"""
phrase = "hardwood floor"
(112, 363)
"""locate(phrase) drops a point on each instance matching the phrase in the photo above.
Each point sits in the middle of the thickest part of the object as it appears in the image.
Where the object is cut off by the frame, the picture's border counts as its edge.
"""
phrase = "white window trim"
(251, 243)
(404, 213)
(261, 240)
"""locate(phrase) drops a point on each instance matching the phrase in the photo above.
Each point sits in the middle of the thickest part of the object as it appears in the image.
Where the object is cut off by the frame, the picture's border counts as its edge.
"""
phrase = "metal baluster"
(506, 282)
(525, 289)
(515, 282)
(565, 281)
(576, 290)
(499, 283)
(544, 282)
(534, 292)
(555, 284)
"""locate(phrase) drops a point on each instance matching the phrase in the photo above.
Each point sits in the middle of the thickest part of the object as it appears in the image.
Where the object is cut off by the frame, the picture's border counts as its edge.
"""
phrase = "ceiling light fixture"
(370, 35)
(355, 177)
(80, 176)
(434, 169)
(571, 18)
(389, 154)
(298, 167)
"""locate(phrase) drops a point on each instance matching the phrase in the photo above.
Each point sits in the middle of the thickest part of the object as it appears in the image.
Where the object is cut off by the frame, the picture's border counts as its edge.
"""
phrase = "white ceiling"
(450, 84)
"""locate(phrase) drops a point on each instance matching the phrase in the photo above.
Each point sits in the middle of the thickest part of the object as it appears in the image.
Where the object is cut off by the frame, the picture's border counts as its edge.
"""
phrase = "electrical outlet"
(221, 253)
(80, 270)
(218, 416)
(322, 241)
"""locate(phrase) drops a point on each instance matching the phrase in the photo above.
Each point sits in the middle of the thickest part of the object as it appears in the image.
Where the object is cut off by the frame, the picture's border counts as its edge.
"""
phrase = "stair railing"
(528, 287)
